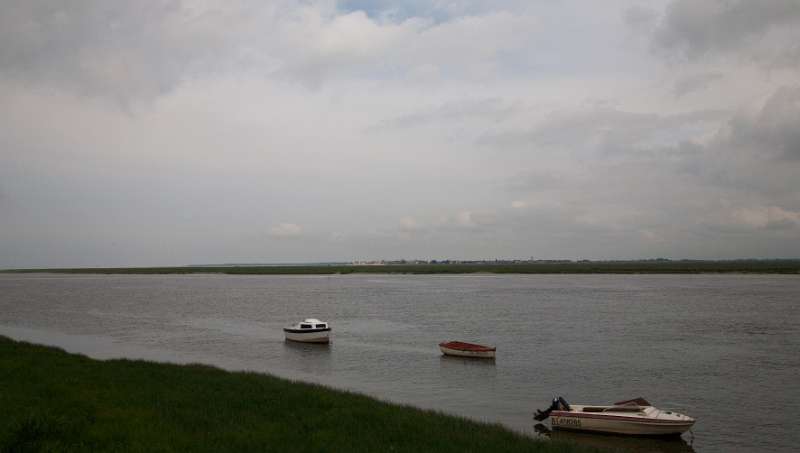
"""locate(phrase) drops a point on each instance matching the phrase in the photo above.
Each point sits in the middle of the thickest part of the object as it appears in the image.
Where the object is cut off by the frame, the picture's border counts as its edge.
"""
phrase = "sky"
(241, 131)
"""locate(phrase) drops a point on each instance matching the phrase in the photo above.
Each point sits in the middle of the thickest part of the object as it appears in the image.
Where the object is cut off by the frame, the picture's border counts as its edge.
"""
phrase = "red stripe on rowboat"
(461, 346)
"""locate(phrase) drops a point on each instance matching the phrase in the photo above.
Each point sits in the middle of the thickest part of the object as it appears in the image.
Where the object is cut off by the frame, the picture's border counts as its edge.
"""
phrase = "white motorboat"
(618, 442)
(635, 417)
(310, 330)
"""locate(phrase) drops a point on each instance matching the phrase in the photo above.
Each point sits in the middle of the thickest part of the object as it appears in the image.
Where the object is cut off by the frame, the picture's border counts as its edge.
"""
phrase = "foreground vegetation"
(54, 401)
(569, 267)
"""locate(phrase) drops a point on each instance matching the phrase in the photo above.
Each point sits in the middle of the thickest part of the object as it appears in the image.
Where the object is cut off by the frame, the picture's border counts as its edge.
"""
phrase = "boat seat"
(624, 409)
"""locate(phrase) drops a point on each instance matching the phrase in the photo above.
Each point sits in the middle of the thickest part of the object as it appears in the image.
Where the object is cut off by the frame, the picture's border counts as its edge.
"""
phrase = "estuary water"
(722, 348)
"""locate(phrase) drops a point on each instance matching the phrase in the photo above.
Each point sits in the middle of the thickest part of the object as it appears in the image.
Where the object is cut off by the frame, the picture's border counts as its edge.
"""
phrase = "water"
(722, 348)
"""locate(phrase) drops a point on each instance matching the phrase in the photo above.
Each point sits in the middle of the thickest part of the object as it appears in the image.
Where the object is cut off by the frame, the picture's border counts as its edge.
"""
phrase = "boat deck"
(630, 412)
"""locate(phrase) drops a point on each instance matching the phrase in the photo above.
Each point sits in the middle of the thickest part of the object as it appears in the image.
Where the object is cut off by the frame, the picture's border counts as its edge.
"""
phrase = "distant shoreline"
(572, 267)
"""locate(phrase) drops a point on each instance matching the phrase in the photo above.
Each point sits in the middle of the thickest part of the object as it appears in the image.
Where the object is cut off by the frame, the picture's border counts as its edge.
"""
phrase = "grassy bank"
(575, 267)
(54, 401)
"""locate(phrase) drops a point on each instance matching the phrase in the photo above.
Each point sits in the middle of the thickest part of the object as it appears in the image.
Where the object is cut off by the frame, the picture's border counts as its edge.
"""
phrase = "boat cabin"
(313, 323)
(309, 330)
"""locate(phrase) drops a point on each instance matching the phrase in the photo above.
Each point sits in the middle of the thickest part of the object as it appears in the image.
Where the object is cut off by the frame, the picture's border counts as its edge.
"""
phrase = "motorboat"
(461, 349)
(631, 417)
(617, 442)
(310, 330)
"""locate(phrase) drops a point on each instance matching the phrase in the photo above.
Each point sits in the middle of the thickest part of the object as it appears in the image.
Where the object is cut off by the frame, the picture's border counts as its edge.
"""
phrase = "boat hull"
(465, 353)
(314, 336)
(638, 426)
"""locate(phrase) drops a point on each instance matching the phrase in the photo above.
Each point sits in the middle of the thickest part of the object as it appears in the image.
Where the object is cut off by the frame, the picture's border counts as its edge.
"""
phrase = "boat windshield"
(320, 326)
(305, 326)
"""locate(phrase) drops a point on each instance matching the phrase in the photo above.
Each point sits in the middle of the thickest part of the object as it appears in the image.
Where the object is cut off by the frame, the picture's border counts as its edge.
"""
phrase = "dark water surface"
(722, 348)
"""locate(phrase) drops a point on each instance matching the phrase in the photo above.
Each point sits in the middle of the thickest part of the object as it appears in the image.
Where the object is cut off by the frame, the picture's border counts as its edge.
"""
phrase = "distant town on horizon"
(503, 261)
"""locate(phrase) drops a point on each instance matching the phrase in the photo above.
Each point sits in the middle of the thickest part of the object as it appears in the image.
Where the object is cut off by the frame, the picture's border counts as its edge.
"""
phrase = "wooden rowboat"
(461, 349)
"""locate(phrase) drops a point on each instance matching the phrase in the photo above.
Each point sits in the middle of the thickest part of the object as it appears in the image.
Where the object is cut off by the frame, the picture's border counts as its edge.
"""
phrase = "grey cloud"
(239, 162)
(472, 219)
(742, 179)
(787, 58)
(491, 110)
(774, 130)
(698, 27)
(140, 50)
(640, 18)
(752, 164)
(696, 82)
(91, 45)
(607, 130)
(533, 179)
(117, 49)
(782, 225)
(465, 221)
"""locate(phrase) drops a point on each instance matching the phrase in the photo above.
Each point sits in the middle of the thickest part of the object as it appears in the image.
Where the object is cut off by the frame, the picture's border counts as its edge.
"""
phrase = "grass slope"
(578, 267)
(54, 401)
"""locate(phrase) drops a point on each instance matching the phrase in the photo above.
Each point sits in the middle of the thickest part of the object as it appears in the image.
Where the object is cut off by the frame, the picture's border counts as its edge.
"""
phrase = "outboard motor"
(542, 415)
(563, 405)
(558, 404)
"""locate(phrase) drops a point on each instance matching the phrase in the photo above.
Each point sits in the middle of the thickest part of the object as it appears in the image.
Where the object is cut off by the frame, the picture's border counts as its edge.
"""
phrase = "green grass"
(575, 267)
(54, 401)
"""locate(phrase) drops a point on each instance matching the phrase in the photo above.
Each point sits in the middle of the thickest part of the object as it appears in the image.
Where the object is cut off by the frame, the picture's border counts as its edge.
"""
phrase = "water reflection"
(451, 361)
(308, 350)
(675, 444)
(474, 373)
(314, 358)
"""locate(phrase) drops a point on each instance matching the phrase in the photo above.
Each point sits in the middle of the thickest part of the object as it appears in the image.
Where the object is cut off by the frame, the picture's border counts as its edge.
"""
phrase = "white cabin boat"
(310, 330)
(634, 417)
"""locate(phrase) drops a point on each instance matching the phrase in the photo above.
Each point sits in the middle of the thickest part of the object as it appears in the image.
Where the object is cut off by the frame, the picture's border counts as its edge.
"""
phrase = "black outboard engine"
(542, 415)
(558, 404)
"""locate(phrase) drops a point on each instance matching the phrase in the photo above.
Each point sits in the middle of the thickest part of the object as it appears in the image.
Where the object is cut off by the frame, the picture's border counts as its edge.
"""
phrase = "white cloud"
(766, 217)
(286, 230)
(409, 225)
(470, 219)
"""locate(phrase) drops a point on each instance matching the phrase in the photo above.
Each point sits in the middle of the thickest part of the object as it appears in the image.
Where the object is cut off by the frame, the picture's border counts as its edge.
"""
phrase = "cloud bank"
(175, 132)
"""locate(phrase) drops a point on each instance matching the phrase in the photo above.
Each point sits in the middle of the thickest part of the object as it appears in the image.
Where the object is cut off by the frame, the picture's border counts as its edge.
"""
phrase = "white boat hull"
(472, 354)
(309, 337)
(642, 426)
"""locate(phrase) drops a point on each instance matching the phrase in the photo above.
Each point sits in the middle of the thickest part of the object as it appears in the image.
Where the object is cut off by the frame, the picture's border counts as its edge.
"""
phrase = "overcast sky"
(182, 132)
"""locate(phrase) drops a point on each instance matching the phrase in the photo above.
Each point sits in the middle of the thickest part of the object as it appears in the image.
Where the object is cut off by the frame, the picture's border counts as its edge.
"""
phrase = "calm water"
(723, 348)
